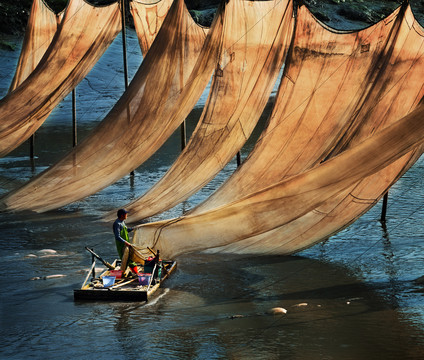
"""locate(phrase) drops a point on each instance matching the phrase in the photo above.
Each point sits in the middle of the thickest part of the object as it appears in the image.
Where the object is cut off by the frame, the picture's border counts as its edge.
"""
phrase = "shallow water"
(352, 297)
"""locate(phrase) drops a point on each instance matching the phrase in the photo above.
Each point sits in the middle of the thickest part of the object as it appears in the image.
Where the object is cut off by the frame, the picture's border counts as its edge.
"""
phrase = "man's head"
(122, 213)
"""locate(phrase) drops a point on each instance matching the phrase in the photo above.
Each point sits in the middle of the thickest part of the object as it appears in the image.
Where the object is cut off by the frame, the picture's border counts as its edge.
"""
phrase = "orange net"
(332, 147)
(42, 26)
(83, 35)
(253, 49)
(168, 84)
(392, 89)
(333, 82)
(285, 201)
(338, 89)
(148, 17)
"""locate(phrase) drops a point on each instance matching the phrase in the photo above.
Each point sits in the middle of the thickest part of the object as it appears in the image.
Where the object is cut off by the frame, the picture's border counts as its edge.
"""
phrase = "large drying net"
(164, 90)
(332, 146)
(83, 35)
(337, 89)
(41, 28)
(392, 89)
(286, 201)
(255, 40)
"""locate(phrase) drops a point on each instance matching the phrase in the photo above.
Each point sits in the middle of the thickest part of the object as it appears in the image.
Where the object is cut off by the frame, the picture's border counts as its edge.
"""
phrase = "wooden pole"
(31, 152)
(31, 146)
(74, 118)
(151, 279)
(238, 159)
(124, 43)
(183, 135)
(90, 272)
(124, 49)
(93, 267)
(384, 207)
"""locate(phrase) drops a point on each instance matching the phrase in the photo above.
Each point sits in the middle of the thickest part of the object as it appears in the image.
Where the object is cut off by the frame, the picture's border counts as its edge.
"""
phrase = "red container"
(116, 273)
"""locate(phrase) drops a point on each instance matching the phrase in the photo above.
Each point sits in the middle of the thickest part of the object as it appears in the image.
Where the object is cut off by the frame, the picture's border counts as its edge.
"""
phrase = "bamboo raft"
(116, 285)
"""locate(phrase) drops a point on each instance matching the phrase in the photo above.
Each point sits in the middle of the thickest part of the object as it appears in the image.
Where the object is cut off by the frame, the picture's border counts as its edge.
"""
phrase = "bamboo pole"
(151, 279)
(90, 272)
(183, 135)
(74, 118)
(124, 43)
(122, 284)
(384, 207)
(124, 49)
(31, 146)
(93, 268)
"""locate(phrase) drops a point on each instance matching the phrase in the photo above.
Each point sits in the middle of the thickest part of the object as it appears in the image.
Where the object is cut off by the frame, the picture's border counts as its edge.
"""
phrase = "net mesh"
(254, 45)
(83, 35)
(41, 28)
(166, 87)
(148, 18)
(338, 89)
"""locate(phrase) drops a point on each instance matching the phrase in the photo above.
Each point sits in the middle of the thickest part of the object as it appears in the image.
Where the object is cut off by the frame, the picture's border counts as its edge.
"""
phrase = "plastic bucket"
(108, 281)
(144, 279)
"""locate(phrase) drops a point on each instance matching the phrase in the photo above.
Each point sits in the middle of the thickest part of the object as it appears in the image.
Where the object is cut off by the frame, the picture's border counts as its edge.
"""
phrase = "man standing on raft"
(120, 230)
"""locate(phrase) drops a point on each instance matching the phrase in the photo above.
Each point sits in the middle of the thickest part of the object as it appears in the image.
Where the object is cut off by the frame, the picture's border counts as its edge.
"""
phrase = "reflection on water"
(352, 297)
